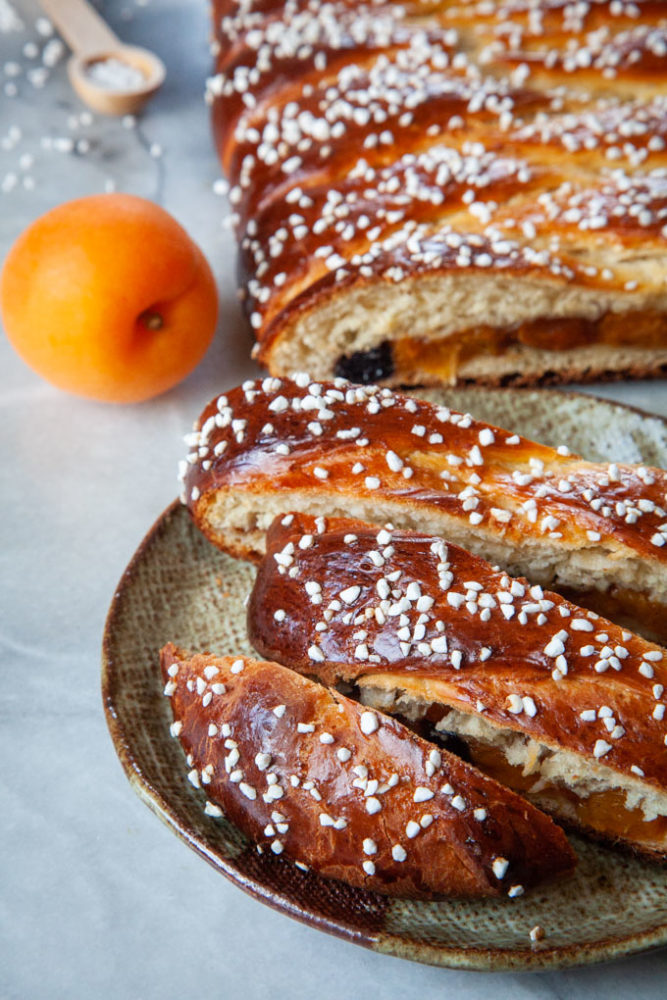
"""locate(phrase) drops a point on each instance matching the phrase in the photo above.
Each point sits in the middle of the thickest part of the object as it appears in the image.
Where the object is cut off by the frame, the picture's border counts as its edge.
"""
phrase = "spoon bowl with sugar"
(109, 76)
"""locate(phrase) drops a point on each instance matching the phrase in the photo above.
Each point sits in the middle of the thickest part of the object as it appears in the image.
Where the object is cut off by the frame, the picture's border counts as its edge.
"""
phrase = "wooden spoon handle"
(84, 30)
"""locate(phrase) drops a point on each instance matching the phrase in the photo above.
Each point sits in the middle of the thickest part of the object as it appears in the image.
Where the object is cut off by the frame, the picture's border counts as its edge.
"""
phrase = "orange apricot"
(108, 297)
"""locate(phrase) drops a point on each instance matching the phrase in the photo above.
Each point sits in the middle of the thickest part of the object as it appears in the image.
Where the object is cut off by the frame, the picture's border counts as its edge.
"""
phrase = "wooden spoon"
(109, 76)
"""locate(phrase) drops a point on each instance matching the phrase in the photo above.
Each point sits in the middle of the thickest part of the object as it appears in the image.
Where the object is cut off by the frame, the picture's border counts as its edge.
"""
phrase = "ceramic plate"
(178, 587)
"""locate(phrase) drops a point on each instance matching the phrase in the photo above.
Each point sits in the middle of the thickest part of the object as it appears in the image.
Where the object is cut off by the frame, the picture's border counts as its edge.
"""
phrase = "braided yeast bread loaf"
(438, 192)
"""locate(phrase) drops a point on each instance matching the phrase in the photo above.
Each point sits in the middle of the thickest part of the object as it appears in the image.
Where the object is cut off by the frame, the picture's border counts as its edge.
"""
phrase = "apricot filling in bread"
(422, 360)
(557, 702)
(336, 449)
(580, 793)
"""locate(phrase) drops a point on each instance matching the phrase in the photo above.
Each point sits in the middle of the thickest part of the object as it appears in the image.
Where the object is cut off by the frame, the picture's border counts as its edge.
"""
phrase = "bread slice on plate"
(552, 700)
(596, 531)
(349, 792)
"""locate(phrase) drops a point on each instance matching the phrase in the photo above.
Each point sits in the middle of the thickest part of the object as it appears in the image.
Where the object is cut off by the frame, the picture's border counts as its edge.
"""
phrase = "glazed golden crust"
(346, 601)
(353, 794)
(373, 147)
(334, 448)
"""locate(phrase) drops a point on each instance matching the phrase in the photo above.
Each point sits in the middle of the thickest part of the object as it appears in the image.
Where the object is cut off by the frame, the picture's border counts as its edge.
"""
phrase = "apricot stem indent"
(151, 320)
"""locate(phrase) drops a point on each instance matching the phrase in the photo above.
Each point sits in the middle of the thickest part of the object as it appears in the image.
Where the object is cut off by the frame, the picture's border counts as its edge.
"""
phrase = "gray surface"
(97, 899)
